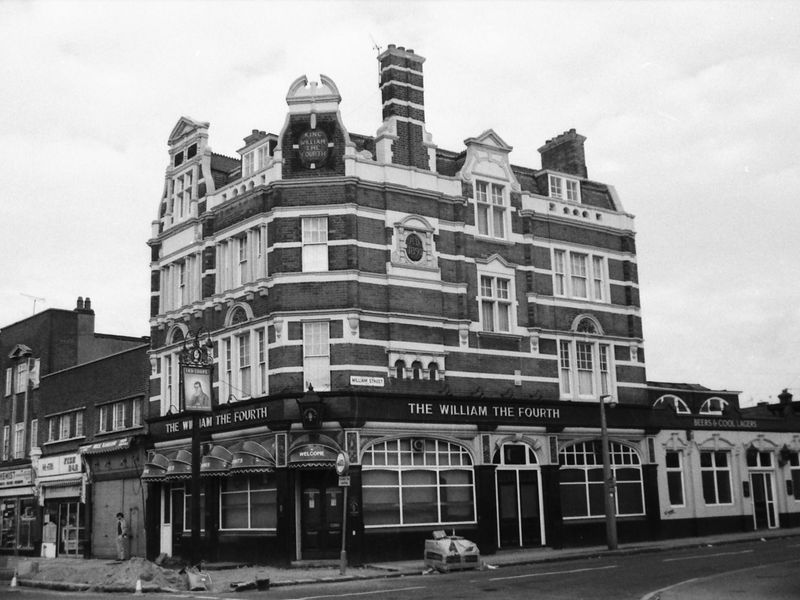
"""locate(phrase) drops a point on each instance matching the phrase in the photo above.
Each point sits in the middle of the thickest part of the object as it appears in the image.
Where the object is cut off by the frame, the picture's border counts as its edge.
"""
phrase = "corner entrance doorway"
(519, 497)
(320, 514)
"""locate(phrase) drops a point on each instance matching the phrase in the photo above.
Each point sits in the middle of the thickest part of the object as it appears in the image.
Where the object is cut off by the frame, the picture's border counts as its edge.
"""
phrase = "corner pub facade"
(446, 319)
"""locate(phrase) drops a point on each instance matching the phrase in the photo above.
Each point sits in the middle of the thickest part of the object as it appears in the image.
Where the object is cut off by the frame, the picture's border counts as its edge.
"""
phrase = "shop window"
(581, 487)
(678, 405)
(417, 482)
(248, 502)
(715, 472)
(187, 509)
(674, 470)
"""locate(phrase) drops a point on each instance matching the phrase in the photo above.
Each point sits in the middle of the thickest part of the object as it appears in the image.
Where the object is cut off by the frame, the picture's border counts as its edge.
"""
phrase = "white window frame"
(716, 469)
(244, 363)
(709, 406)
(400, 459)
(581, 456)
(573, 360)
(496, 303)
(677, 472)
(248, 164)
(492, 209)
(564, 188)
(569, 277)
(315, 243)
(9, 380)
(19, 440)
(675, 402)
(263, 374)
(102, 419)
(6, 441)
(496, 270)
(317, 355)
(118, 416)
(170, 383)
(34, 433)
(22, 376)
(136, 412)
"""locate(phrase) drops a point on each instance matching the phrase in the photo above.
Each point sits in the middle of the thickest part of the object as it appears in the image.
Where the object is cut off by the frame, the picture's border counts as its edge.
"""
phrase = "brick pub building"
(447, 319)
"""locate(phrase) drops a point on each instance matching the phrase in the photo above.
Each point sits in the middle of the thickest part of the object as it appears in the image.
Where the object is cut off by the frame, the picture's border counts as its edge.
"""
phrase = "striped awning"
(155, 469)
(216, 462)
(252, 456)
(180, 466)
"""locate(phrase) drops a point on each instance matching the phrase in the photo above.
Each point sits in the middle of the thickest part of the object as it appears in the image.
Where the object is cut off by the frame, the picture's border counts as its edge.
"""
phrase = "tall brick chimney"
(402, 138)
(564, 153)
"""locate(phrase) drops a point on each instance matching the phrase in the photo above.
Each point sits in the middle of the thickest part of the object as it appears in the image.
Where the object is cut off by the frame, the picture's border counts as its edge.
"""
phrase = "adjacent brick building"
(30, 351)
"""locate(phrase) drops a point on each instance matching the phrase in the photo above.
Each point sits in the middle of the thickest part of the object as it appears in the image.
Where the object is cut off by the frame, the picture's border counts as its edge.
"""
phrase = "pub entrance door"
(519, 497)
(320, 514)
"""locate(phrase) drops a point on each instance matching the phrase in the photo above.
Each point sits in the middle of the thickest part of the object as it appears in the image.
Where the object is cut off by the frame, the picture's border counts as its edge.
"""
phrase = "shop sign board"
(60, 465)
(15, 477)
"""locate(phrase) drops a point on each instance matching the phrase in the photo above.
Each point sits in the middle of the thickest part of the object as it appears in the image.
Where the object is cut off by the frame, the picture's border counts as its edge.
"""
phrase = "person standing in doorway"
(122, 537)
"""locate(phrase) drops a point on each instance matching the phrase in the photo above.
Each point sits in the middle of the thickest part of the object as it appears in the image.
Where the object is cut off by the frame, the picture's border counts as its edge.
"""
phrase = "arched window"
(433, 371)
(582, 492)
(586, 326)
(416, 369)
(515, 453)
(417, 481)
(238, 315)
(713, 406)
(673, 402)
(400, 369)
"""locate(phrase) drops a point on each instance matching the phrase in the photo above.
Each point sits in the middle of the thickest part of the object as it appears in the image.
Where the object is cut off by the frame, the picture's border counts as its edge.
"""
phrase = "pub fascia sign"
(486, 411)
(231, 417)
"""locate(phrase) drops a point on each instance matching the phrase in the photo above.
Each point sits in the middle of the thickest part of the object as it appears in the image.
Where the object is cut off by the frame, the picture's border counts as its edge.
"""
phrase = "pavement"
(224, 579)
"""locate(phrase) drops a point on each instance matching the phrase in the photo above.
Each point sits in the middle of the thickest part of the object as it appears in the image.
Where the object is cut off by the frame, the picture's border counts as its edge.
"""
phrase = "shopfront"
(113, 469)
(503, 475)
(19, 513)
(61, 482)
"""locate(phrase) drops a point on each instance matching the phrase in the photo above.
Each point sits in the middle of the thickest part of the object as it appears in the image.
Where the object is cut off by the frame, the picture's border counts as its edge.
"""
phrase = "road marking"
(553, 573)
(405, 589)
(706, 555)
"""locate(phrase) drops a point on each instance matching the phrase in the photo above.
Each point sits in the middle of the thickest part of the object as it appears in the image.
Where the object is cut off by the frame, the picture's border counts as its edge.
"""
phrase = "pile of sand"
(108, 573)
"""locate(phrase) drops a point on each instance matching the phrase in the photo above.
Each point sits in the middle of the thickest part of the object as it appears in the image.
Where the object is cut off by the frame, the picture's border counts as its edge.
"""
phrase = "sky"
(690, 110)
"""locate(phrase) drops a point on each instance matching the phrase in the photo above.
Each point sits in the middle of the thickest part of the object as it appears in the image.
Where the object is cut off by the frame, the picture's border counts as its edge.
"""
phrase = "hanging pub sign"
(196, 364)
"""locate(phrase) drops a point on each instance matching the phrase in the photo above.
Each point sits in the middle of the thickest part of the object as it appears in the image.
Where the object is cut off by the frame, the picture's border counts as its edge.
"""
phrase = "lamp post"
(609, 485)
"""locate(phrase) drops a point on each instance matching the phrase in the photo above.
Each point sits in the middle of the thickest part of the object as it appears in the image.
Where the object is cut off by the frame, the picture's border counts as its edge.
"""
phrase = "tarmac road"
(746, 570)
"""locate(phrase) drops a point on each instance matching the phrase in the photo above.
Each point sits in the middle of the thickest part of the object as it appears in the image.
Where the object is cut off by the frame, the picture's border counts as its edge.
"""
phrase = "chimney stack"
(402, 138)
(564, 153)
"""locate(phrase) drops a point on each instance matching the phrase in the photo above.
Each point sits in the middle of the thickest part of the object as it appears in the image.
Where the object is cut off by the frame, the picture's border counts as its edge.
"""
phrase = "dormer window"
(191, 151)
(564, 188)
(490, 209)
(247, 167)
(178, 159)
